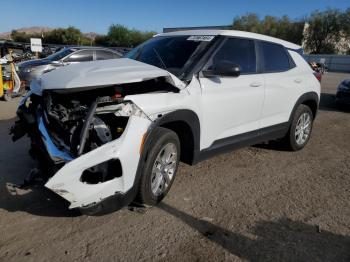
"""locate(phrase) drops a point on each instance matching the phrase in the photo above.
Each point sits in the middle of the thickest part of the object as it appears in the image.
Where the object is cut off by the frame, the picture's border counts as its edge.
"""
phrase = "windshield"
(173, 53)
(60, 54)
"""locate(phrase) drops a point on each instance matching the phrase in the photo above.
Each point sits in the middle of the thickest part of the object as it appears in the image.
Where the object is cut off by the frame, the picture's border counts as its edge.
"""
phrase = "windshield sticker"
(206, 38)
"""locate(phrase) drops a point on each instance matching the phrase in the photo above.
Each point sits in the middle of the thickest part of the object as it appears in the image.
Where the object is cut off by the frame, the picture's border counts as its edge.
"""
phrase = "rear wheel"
(160, 167)
(300, 130)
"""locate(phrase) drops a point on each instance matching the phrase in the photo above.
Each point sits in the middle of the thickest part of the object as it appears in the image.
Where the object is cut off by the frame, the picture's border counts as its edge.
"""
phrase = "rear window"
(275, 58)
(105, 54)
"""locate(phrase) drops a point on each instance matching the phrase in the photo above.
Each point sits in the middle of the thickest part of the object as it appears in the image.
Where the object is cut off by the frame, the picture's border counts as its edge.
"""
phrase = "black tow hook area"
(17, 131)
(33, 177)
(23, 125)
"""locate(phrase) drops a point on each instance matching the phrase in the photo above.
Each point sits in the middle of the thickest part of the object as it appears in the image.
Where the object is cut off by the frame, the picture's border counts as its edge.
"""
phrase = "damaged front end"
(88, 142)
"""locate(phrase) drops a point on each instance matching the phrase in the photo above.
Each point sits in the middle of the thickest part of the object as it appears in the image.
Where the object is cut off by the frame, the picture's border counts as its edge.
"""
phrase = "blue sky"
(97, 16)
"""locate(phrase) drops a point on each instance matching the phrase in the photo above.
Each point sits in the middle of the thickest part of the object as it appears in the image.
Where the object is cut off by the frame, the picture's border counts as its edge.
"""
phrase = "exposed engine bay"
(66, 126)
(82, 121)
(66, 116)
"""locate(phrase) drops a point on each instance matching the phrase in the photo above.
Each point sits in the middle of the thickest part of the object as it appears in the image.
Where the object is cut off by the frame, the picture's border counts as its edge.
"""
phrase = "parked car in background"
(343, 92)
(110, 132)
(31, 69)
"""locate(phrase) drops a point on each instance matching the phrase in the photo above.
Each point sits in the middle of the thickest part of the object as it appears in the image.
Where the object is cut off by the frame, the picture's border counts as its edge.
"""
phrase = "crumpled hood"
(104, 73)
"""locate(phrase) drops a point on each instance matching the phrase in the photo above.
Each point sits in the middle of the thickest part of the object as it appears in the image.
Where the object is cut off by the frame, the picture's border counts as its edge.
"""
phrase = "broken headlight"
(124, 109)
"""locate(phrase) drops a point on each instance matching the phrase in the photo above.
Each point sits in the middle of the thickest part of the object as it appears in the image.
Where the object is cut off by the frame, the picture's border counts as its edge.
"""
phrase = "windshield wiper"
(160, 58)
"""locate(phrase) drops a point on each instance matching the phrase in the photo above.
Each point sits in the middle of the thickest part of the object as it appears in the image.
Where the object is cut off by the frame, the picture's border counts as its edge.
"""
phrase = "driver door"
(232, 105)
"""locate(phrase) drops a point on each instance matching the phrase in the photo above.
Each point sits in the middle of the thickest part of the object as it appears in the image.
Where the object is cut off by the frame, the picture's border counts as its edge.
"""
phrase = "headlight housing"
(124, 108)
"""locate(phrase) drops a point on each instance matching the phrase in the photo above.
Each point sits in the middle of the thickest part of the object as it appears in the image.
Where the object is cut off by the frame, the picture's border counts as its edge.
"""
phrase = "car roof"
(78, 48)
(235, 33)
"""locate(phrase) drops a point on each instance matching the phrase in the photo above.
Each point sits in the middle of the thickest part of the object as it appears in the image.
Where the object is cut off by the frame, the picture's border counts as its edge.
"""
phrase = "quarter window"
(238, 51)
(275, 58)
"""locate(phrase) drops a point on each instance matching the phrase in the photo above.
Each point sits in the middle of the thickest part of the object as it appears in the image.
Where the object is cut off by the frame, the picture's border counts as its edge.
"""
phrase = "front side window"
(81, 56)
(60, 54)
(237, 51)
(275, 57)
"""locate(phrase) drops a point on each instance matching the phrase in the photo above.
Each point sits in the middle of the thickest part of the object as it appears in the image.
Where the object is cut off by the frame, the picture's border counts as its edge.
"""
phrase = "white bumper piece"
(67, 181)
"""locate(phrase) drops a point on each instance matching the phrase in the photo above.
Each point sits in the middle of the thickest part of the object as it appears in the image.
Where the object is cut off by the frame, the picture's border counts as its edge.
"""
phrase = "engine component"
(102, 130)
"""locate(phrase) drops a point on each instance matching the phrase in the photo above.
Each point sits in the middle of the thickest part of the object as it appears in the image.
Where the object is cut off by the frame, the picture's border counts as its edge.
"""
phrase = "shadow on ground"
(281, 240)
(329, 103)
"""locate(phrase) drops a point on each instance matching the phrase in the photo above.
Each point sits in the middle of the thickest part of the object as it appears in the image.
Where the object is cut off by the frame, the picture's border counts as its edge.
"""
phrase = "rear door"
(283, 83)
(232, 105)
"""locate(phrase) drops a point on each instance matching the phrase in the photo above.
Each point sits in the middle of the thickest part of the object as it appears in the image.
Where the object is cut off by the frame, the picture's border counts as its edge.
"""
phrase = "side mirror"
(223, 68)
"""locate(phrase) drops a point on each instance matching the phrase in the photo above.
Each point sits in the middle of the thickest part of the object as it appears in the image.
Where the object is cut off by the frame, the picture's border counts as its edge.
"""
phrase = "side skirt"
(242, 140)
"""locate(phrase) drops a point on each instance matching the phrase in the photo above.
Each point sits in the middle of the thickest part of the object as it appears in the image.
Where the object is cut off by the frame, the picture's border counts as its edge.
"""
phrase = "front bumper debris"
(67, 175)
(56, 155)
(67, 181)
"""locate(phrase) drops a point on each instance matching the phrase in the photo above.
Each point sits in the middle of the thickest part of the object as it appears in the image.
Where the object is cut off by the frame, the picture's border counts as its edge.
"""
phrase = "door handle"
(298, 80)
(255, 84)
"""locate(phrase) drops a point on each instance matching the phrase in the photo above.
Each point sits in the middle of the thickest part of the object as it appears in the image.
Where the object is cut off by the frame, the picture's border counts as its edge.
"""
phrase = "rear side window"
(80, 56)
(275, 58)
(105, 54)
(238, 51)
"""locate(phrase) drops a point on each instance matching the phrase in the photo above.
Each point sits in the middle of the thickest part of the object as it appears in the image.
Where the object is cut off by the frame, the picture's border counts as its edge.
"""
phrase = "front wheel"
(160, 167)
(300, 130)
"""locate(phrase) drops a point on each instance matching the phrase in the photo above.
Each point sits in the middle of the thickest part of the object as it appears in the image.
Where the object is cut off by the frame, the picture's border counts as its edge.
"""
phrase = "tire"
(299, 134)
(165, 141)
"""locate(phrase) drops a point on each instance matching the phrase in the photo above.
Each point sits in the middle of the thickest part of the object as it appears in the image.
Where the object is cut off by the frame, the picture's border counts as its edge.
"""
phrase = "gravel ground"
(254, 204)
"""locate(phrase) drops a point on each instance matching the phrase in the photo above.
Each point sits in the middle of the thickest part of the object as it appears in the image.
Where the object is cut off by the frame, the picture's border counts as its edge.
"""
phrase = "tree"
(283, 28)
(65, 36)
(121, 36)
(22, 36)
(324, 31)
(102, 40)
(249, 22)
(118, 35)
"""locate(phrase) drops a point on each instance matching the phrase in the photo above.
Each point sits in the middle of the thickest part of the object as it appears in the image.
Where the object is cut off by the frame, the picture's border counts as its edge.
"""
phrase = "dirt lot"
(255, 204)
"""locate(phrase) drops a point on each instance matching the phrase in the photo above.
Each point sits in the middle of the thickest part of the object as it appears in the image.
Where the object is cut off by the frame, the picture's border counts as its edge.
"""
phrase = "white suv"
(114, 131)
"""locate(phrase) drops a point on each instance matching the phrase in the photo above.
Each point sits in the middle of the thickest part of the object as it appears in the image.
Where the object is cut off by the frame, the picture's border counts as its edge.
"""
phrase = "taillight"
(318, 76)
